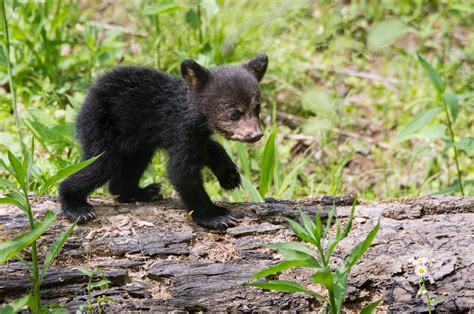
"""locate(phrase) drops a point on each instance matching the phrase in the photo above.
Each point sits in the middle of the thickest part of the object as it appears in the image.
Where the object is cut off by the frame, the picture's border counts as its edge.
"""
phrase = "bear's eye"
(235, 115)
(257, 109)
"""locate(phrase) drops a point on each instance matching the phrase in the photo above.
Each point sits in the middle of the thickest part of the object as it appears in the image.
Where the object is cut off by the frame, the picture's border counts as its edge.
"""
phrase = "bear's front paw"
(216, 219)
(231, 179)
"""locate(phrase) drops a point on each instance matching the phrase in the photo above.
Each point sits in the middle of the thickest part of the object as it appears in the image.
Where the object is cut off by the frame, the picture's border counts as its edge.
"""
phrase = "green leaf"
(301, 232)
(161, 8)
(57, 309)
(349, 221)
(16, 305)
(63, 173)
(54, 250)
(243, 158)
(361, 248)
(369, 308)
(419, 121)
(5, 184)
(318, 101)
(385, 33)
(339, 287)
(11, 200)
(254, 195)
(86, 271)
(323, 276)
(294, 246)
(291, 255)
(103, 283)
(192, 18)
(278, 268)
(11, 248)
(18, 172)
(284, 285)
(467, 145)
(268, 161)
(451, 100)
(432, 132)
(309, 225)
(433, 75)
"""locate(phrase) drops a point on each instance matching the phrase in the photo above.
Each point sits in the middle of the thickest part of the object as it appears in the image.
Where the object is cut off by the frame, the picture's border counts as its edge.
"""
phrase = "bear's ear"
(257, 66)
(195, 75)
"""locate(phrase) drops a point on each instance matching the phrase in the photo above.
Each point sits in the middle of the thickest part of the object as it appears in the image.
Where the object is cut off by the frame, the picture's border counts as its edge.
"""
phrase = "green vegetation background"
(343, 86)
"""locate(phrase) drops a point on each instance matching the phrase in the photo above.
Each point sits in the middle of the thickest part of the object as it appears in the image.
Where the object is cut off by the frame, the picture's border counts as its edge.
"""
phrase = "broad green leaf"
(54, 249)
(11, 248)
(284, 285)
(277, 268)
(103, 283)
(301, 232)
(18, 171)
(451, 100)
(192, 18)
(467, 145)
(313, 125)
(339, 287)
(318, 101)
(385, 33)
(5, 184)
(17, 305)
(254, 195)
(291, 255)
(432, 132)
(268, 161)
(63, 173)
(295, 246)
(86, 272)
(161, 8)
(309, 225)
(433, 75)
(323, 276)
(419, 121)
(290, 179)
(369, 308)
(243, 155)
(360, 248)
(10, 200)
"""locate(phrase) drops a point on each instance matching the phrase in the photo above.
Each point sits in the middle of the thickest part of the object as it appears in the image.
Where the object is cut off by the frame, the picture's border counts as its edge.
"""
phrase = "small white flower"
(421, 270)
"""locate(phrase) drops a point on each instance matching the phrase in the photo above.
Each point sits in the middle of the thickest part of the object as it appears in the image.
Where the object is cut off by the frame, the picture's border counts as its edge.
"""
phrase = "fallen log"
(157, 260)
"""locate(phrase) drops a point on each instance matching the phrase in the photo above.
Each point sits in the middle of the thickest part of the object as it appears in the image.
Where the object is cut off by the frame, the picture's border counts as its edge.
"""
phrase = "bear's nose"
(254, 137)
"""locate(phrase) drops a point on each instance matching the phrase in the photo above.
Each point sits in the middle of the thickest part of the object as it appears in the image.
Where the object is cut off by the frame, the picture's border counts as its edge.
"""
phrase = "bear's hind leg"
(124, 182)
(74, 190)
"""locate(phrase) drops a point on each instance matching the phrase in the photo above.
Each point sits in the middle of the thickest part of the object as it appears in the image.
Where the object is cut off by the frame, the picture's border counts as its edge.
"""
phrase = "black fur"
(132, 111)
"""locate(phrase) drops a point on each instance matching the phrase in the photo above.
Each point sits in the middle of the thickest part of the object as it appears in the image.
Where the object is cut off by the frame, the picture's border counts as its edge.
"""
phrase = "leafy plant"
(17, 194)
(102, 282)
(447, 102)
(317, 257)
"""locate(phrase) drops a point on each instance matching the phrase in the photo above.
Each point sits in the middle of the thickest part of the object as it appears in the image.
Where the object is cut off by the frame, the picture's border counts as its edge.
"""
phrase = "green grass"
(343, 81)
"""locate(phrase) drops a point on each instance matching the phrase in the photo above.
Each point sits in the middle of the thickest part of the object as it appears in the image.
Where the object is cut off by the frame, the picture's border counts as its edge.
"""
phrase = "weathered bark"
(158, 260)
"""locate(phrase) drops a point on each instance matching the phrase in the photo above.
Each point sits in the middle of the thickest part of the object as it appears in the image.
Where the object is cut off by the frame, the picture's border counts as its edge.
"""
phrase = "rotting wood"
(158, 260)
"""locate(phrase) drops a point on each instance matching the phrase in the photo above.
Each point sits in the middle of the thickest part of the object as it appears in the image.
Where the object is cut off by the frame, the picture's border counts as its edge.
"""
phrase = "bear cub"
(133, 111)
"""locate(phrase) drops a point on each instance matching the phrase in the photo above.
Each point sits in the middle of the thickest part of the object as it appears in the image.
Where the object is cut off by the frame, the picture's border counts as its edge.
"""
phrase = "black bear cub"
(132, 111)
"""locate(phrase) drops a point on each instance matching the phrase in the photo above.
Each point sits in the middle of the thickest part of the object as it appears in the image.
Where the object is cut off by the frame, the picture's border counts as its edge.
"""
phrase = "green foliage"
(318, 259)
(448, 102)
(101, 282)
(336, 97)
(17, 194)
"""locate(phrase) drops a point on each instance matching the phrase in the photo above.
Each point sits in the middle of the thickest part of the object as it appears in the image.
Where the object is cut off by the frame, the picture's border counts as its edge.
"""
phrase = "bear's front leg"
(222, 166)
(185, 175)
